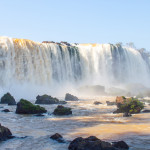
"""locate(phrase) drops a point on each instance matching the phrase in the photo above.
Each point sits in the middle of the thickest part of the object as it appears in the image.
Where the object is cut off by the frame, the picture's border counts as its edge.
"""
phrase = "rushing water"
(48, 67)
(87, 119)
(28, 69)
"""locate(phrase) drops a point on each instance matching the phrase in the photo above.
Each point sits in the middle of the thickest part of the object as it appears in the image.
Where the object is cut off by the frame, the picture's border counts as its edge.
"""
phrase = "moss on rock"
(61, 110)
(26, 107)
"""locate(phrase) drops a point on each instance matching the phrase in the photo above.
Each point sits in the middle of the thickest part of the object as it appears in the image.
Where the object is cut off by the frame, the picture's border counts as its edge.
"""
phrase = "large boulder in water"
(69, 97)
(26, 107)
(5, 133)
(8, 99)
(61, 110)
(128, 105)
(46, 99)
(93, 143)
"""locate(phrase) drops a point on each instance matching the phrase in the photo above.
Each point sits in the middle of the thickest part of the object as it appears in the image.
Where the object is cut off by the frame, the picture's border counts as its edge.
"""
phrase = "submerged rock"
(58, 137)
(8, 99)
(110, 103)
(93, 143)
(5, 133)
(97, 103)
(70, 97)
(61, 110)
(126, 114)
(46, 99)
(146, 111)
(26, 107)
(6, 110)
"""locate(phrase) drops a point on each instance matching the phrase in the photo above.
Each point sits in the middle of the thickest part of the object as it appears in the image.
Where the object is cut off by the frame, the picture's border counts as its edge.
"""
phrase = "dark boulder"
(120, 145)
(8, 99)
(61, 110)
(57, 137)
(93, 143)
(6, 110)
(146, 111)
(97, 103)
(110, 103)
(70, 97)
(5, 133)
(26, 107)
(46, 99)
(126, 114)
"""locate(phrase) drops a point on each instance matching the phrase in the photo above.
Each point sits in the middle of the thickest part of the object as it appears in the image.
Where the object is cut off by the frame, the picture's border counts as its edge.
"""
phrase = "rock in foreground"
(93, 143)
(46, 99)
(70, 97)
(57, 137)
(61, 110)
(5, 133)
(8, 99)
(26, 107)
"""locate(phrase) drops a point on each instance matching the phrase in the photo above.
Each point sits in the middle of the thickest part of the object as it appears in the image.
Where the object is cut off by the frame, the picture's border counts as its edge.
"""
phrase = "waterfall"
(24, 63)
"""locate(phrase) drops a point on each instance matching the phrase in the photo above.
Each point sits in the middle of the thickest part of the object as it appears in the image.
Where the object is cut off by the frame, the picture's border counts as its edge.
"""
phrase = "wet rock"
(5, 133)
(110, 103)
(146, 111)
(6, 110)
(126, 114)
(61, 110)
(26, 107)
(93, 143)
(8, 99)
(120, 145)
(58, 137)
(70, 97)
(97, 103)
(46, 99)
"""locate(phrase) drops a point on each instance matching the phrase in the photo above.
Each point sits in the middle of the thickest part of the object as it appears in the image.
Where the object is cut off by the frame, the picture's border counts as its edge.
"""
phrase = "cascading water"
(30, 66)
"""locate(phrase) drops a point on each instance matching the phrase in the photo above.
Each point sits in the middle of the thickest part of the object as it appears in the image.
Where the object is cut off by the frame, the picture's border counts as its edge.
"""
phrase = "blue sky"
(80, 21)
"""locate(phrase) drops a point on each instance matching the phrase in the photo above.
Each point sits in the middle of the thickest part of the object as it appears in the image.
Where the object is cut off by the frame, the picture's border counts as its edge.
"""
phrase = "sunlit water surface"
(87, 119)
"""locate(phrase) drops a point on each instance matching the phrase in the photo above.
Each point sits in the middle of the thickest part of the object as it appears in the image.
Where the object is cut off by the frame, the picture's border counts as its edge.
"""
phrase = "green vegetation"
(61, 110)
(131, 105)
(26, 107)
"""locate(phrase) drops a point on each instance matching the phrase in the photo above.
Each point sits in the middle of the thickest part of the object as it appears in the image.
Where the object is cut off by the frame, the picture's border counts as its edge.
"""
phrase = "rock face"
(128, 105)
(46, 99)
(5, 133)
(57, 137)
(8, 99)
(97, 103)
(93, 143)
(61, 110)
(26, 107)
(70, 97)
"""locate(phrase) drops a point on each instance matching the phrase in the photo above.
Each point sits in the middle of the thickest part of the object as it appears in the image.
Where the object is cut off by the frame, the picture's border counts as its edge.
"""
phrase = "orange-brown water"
(87, 119)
